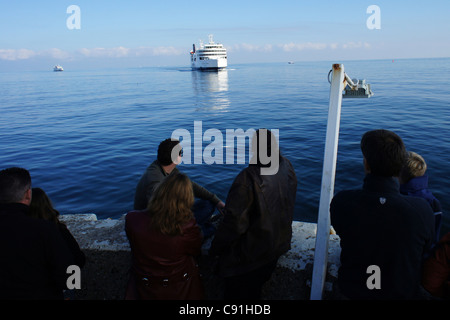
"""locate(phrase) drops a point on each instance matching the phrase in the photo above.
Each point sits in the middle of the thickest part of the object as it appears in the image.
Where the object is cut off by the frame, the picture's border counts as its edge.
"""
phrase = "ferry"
(211, 56)
(58, 68)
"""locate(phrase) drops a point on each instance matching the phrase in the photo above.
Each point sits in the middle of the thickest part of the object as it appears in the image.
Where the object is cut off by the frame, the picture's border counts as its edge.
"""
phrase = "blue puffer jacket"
(418, 187)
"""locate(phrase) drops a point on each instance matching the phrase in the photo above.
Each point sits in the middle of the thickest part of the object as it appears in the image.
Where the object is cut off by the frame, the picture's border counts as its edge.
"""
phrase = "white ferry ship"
(58, 68)
(211, 56)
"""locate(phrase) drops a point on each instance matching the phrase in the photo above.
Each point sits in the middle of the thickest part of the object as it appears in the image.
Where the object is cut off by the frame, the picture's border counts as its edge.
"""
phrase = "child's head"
(415, 166)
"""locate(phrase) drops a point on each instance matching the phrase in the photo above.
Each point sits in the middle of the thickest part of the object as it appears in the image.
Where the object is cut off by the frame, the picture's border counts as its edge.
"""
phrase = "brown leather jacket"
(163, 266)
(436, 270)
(257, 226)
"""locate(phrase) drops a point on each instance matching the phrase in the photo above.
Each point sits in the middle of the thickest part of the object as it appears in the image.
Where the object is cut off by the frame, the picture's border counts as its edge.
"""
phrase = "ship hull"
(211, 64)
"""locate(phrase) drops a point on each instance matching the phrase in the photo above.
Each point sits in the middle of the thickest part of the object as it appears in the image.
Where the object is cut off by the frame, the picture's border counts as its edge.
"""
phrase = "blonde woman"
(165, 240)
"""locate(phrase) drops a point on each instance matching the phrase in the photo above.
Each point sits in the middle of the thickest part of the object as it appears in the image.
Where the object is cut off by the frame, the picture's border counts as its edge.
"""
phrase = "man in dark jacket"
(383, 234)
(34, 255)
(257, 225)
(169, 155)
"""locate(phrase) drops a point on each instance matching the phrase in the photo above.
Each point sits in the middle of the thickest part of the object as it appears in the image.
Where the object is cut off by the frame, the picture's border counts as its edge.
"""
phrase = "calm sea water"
(87, 136)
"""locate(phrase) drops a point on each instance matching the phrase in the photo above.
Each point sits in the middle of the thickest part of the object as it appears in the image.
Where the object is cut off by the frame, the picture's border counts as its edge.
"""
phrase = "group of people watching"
(36, 247)
(393, 223)
(379, 226)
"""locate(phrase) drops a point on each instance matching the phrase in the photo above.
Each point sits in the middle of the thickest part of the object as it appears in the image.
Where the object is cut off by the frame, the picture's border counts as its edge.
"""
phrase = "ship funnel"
(193, 48)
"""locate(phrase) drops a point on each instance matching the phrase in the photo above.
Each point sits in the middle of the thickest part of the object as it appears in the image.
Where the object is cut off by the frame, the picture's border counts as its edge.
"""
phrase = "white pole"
(327, 189)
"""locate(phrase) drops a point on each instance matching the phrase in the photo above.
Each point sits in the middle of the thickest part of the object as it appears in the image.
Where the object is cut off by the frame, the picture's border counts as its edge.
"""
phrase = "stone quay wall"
(108, 259)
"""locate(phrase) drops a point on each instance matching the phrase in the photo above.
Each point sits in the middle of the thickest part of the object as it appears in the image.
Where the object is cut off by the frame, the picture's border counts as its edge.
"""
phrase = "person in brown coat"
(436, 270)
(257, 225)
(165, 241)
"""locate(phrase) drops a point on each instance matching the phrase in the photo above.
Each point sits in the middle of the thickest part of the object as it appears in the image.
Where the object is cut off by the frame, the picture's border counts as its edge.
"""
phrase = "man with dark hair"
(384, 153)
(15, 186)
(257, 225)
(383, 235)
(34, 255)
(169, 156)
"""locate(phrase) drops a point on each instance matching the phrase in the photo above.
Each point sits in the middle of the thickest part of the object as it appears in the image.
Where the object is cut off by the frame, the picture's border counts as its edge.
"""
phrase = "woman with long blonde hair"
(165, 241)
(171, 205)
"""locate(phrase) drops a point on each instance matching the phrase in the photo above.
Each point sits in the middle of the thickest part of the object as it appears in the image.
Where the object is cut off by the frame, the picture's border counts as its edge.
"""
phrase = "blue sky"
(34, 34)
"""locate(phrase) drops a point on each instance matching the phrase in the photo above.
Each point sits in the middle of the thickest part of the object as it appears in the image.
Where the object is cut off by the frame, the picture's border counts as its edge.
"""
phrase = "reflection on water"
(211, 90)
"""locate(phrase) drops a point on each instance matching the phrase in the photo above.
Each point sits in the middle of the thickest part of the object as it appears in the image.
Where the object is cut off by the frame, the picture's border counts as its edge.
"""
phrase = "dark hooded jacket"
(257, 226)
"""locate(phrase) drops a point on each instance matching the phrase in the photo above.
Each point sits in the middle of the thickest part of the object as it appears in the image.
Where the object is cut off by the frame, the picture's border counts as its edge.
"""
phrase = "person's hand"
(220, 206)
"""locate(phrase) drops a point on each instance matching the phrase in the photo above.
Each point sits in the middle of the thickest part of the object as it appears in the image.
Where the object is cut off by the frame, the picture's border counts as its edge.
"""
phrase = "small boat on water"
(58, 68)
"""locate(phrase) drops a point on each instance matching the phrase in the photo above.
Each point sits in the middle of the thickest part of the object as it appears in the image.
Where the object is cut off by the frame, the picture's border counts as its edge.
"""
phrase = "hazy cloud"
(355, 45)
(116, 52)
(167, 51)
(303, 46)
(122, 52)
(250, 47)
(16, 54)
(55, 53)
(292, 47)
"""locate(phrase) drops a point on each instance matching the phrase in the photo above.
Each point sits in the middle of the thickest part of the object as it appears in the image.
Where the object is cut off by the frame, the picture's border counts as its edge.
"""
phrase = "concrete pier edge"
(108, 259)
